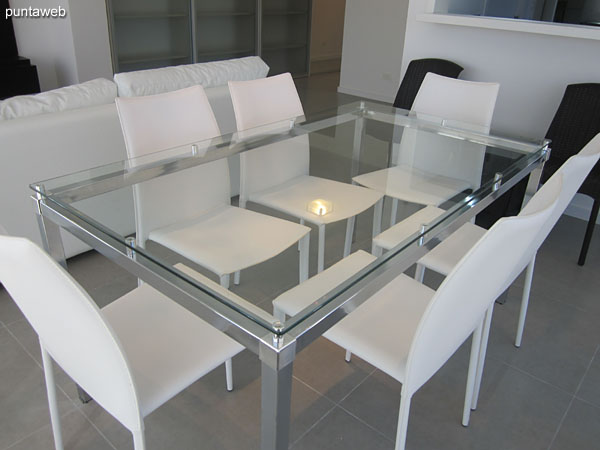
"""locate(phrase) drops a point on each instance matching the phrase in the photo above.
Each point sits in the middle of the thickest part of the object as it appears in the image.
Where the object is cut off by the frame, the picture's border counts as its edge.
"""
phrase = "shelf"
(519, 25)
(150, 58)
(136, 16)
(285, 13)
(271, 48)
(225, 52)
(224, 13)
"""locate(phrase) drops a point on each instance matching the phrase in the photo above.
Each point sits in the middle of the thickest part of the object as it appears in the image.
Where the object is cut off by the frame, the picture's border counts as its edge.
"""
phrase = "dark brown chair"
(575, 123)
(415, 73)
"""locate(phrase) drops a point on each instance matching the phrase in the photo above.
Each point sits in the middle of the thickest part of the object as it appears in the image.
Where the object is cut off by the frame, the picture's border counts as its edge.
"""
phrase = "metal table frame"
(276, 348)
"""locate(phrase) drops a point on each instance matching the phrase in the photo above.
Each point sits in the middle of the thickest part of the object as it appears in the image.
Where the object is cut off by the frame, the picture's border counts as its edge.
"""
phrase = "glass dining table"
(415, 163)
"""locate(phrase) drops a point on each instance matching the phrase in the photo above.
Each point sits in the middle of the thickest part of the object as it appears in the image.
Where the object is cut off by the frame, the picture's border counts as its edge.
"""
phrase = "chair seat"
(294, 196)
(299, 297)
(168, 347)
(413, 185)
(449, 252)
(382, 332)
(228, 239)
(407, 227)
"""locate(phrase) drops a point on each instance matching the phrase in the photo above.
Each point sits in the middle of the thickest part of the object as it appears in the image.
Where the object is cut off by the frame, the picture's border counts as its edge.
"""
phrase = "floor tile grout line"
(562, 420)
(534, 377)
(329, 411)
(40, 366)
(313, 389)
(22, 345)
(48, 425)
(357, 386)
(367, 424)
(80, 409)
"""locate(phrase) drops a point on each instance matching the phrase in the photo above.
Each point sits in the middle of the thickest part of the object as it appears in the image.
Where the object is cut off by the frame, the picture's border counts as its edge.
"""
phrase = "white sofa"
(75, 128)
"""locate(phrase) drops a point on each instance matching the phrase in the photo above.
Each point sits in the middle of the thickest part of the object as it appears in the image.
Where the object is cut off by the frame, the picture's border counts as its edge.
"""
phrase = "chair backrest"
(158, 122)
(261, 102)
(415, 73)
(70, 327)
(573, 173)
(471, 102)
(576, 122)
(475, 282)
(466, 104)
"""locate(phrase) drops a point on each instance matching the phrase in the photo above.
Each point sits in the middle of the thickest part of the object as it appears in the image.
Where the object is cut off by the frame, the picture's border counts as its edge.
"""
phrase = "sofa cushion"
(91, 93)
(210, 74)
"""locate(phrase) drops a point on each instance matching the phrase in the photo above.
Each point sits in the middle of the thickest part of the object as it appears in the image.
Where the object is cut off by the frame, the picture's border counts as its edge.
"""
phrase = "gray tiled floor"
(545, 395)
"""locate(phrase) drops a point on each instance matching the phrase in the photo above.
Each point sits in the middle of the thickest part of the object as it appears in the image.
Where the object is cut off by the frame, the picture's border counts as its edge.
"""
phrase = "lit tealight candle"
(320, 207)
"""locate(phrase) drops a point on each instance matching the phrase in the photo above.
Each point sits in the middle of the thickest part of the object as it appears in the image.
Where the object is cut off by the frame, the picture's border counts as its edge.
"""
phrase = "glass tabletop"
(300, 182)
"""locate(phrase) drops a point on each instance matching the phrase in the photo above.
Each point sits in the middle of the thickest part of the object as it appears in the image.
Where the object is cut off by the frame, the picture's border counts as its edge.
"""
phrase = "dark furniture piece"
(575, 123)
(415, 73)
(17, 75)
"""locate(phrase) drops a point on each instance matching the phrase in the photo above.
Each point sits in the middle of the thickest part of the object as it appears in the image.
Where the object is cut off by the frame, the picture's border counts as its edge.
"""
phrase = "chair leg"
(229, 375)
(471, 377)
(278, 314)
(525, 301)
(349, 233)
(321, 254)
(224, 280)
(303, 257)
(376, 250)
(299, 243)
(348, 355)
(394, 212)
(52, 404)
(402, 421)
(588, 232)
(139, 441)
(236, 278)
(482, 352)
(420, 273)
(377, 214)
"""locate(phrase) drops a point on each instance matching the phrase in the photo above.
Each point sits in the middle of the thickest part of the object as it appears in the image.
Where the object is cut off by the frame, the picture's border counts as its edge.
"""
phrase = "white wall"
(47, 43)
(65, 50)
(89, 24)
(372, 49)
(533, 71)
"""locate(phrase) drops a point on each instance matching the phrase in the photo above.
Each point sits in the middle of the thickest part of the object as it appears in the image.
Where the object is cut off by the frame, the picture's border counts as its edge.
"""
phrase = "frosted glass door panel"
(225, 29)
(151, 33)
(285, 32)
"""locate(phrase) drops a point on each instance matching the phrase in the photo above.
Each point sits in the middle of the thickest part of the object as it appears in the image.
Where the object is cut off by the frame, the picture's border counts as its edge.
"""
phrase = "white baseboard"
(580, 207)
(363, 94)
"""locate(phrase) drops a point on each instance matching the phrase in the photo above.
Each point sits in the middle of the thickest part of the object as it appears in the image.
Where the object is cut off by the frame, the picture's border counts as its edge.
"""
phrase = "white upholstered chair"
(190, 211)
(429, 169)
(445, 256)
(277, 175)
(409, 331)
(107, 352)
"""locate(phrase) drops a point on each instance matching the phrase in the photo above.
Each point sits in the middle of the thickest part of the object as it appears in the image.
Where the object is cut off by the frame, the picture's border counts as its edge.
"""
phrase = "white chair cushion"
(149, 324)
(228, 239)
(299, 297)
(446, 256)
(211, 74)
(91, 93)
(413, 185)
(407, 227)
(236, 299)
(397, 308)
(294, 196)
